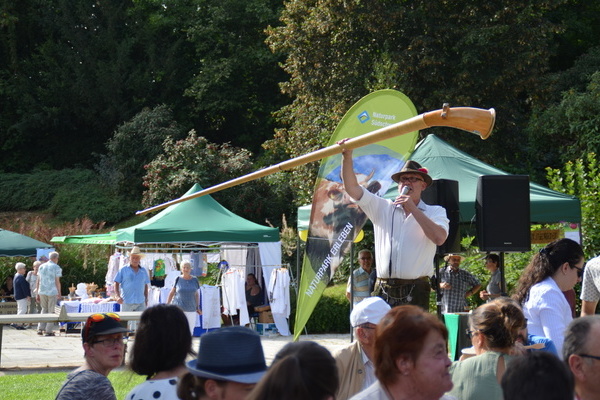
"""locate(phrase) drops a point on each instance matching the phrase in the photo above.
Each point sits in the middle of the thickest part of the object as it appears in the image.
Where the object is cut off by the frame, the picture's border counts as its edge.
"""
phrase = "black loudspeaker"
(502, 213)
(444, 192)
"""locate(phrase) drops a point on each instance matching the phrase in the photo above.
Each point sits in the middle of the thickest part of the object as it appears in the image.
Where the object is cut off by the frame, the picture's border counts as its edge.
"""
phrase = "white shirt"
(590, 287)
(370, 377)
(411, 251)
(548, 312)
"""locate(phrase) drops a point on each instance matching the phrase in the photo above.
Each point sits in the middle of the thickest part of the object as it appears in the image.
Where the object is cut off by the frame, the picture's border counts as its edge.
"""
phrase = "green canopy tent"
(199, 220)
(14, 244)
(447, 162)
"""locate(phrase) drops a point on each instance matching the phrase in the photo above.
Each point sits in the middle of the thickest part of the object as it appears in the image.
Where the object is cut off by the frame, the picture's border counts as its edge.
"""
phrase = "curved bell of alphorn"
(474, 120)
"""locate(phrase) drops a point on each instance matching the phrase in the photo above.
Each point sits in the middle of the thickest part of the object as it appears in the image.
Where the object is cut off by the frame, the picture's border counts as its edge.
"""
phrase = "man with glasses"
(103, 347)
(407, 233)
(359, 284)
(355, 361)
(581, 352)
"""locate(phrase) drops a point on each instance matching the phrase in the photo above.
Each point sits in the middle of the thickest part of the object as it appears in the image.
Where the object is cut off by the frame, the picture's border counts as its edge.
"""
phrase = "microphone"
(405, 191)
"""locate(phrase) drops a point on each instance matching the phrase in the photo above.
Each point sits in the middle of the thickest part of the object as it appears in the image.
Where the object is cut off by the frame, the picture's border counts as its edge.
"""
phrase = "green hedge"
(331, 315)
(68, 194)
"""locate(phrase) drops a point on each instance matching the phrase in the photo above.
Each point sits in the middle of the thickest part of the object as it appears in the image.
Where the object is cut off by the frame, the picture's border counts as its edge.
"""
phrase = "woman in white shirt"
(554, 269)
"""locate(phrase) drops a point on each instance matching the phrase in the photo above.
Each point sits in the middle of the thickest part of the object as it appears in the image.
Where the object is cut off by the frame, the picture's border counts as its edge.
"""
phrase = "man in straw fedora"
(131, 285)
(457, 285)
(230, 362)
(407, 233)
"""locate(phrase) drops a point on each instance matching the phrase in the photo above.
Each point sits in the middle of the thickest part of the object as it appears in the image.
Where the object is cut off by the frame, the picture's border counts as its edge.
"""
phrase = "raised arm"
(349, 178)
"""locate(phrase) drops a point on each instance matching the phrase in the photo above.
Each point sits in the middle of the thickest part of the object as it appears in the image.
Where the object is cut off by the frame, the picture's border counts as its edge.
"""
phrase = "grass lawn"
(46, 386)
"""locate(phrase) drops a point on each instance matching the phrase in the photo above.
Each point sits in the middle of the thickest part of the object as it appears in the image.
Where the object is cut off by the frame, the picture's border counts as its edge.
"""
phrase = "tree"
(135, 144)
(465, 53)
(571, 126)
(81, 69)
(196, 160)
(581, 178)
(235, 89)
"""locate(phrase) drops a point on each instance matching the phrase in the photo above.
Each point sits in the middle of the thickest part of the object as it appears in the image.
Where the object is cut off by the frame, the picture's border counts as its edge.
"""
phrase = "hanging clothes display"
(279, 292)
(210, 303)
(158, 265)
(197, 259)
(114, 264)
(234, 294)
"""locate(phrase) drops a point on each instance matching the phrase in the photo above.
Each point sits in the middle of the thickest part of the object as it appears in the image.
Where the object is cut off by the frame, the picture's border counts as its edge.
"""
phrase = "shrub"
(68, 194)
(332, 313)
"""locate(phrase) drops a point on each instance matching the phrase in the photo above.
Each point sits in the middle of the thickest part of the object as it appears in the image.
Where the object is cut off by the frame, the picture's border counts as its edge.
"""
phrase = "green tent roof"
(13, 244)
(446, 162)
(198, 220)
(201, 219)
(103, 238)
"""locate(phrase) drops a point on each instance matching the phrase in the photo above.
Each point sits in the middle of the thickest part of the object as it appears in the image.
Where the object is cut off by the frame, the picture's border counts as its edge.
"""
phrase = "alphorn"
(474, 120)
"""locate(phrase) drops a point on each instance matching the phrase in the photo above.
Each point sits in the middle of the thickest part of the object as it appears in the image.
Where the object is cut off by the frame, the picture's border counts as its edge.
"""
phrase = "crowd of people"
(525, 346)
(399, 353)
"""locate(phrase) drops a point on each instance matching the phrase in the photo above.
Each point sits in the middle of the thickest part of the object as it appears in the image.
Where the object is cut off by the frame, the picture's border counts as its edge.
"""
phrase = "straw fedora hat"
(232, 353)
(413, 167)
(135, 250)
(447, 257)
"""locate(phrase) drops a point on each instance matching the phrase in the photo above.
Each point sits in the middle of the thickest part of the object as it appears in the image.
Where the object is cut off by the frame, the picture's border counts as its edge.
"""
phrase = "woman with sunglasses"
(103, 347)
(555, 269)
(493, 328)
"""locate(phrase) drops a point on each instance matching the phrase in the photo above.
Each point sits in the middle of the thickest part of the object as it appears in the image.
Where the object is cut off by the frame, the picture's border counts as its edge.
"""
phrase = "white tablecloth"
(74, 306)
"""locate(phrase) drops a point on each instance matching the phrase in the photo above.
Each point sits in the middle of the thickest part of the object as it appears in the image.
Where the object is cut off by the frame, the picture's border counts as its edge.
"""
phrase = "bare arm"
(473, 290)
(197, 296)
(171, 294)
(118, 293)
(433, 231)
(57, 281)
(348, 177)
(588, 307)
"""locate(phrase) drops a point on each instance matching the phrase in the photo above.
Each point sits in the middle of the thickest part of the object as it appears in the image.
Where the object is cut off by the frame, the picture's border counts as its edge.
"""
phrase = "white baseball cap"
(370, 310)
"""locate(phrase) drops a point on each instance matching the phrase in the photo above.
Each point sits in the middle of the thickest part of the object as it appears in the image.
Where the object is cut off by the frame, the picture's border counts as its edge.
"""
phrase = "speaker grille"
(444, 192)
(502, 213)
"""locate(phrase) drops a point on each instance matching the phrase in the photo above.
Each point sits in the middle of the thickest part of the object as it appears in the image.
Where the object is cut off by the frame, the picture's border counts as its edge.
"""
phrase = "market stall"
(203, 226)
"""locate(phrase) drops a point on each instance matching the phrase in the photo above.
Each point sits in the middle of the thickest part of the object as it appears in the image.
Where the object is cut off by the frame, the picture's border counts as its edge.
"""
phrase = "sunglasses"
(108, 343)
(470, 333)
(579, 271)
(95, 318)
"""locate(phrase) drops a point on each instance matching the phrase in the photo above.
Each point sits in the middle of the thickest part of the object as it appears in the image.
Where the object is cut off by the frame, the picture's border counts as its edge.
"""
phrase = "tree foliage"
(572, 126)
(581, 178)
(135, 144)
(235, 89)
(465, 53)
(72, 71)
(196, 160)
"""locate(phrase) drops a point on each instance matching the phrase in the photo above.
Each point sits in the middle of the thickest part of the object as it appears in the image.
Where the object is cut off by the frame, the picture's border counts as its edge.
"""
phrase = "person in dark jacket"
(21, 291)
